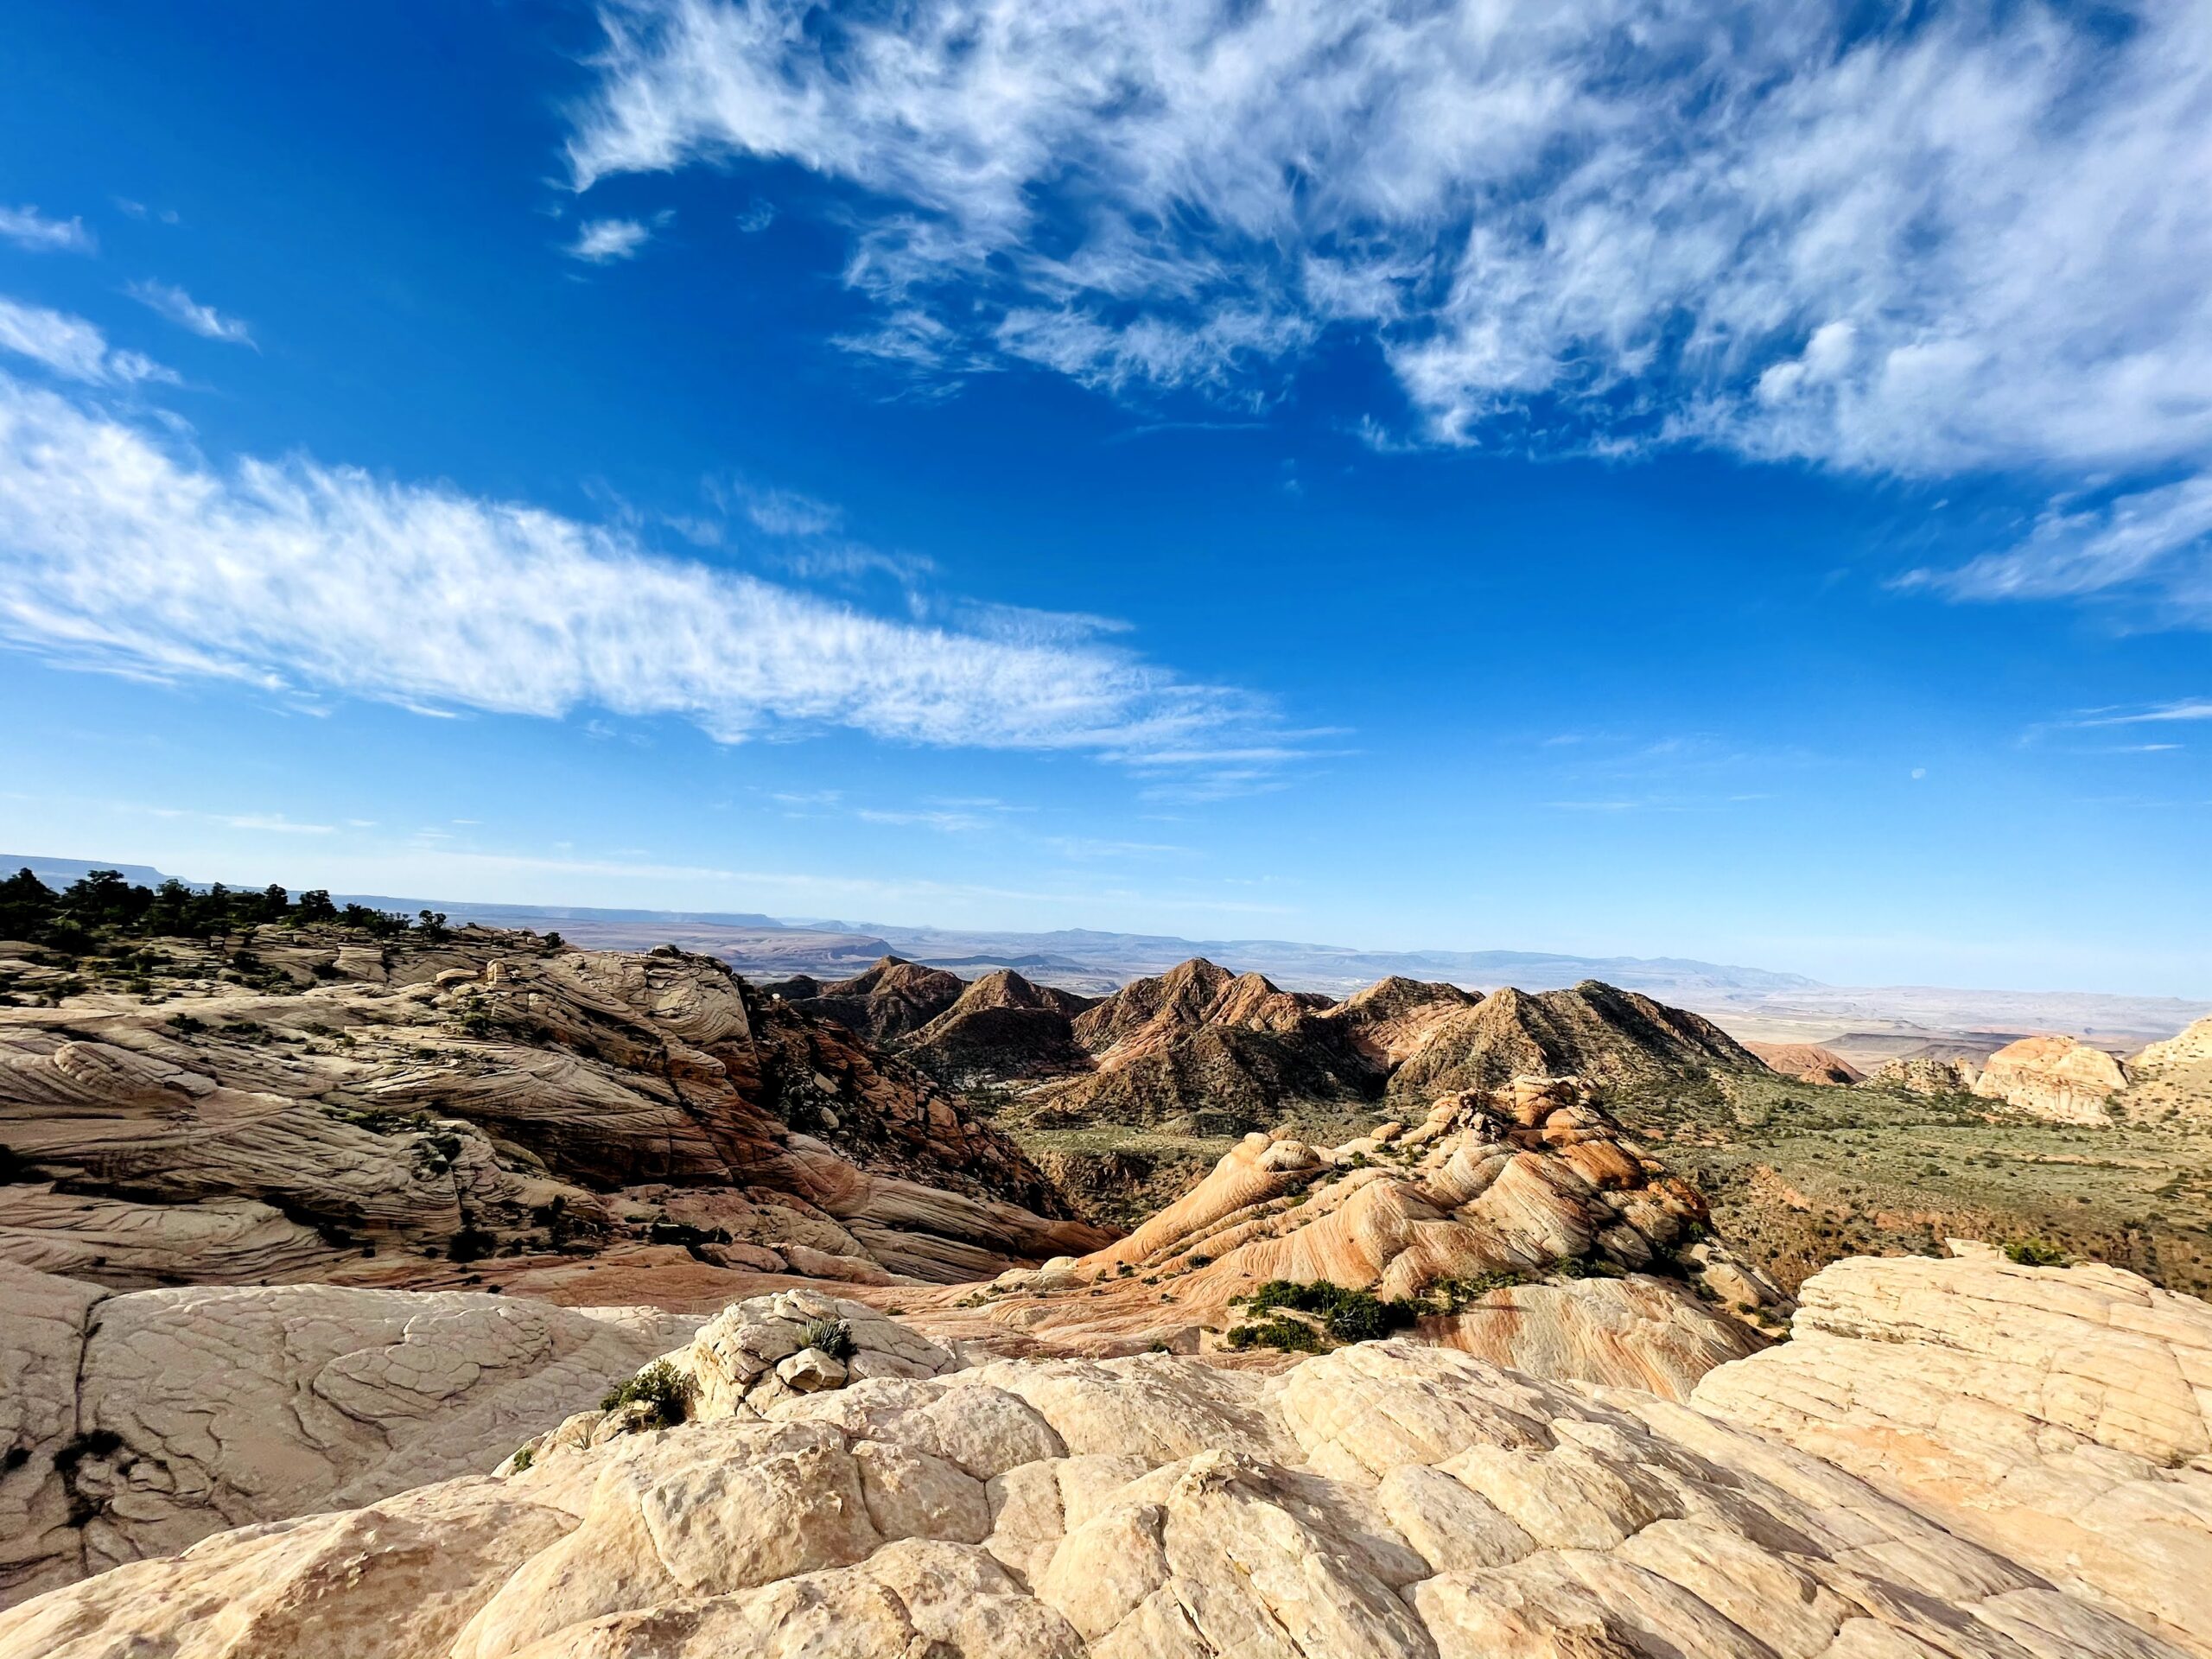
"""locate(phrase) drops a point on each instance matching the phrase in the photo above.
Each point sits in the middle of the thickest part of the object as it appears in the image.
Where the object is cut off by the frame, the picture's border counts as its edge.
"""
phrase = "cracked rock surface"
(1385, 1501)
(2063, 1414)
(148, 1420)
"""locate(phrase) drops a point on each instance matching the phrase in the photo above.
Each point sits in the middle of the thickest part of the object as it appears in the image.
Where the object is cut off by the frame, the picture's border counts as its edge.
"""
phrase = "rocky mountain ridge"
(1201, 1043)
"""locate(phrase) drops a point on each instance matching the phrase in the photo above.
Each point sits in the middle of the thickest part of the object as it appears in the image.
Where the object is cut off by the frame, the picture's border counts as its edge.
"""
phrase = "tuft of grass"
(2035, 1252)
(660, 1387)
(523, 1459)
(833, 1337)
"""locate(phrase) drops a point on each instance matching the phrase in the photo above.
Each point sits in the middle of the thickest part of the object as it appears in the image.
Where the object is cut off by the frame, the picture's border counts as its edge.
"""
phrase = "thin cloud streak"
(27, 228)
(71, 347)
(185, 312)
(119, 550)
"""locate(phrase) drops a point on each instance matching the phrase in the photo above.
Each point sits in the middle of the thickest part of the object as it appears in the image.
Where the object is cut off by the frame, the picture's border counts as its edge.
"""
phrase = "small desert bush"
(660, 1387)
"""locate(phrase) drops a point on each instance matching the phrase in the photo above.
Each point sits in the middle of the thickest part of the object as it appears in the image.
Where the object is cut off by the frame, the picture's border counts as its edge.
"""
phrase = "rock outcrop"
(1925, 1075)
(2174, 1076)
(2054, 1077)
(482, 1095)
(1612, 1038)
(1388, 1500)
(2063, 1415)
(1514, 1218)
(1808, 1062)
(139, 1423)
(1389, 1021)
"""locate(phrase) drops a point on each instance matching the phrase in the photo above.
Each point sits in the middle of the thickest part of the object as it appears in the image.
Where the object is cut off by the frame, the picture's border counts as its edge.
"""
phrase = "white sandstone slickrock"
(1385, 1501)
(151, 1418)
(2062, 1414)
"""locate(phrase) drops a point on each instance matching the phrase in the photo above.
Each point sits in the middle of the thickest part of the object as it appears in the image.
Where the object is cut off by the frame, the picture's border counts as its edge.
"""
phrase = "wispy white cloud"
(71, 347)
(787, 513)
(1095, 847)
(1914, 241)
(601, 241)
(2078, 550)
(276, 824)
(185, 312)
(2157, 714)
(120, 549)
(27, 228)
(944, 820)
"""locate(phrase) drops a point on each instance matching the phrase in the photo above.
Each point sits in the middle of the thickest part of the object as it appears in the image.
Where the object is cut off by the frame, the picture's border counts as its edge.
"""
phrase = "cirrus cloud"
(1908, 241)
(120, 548)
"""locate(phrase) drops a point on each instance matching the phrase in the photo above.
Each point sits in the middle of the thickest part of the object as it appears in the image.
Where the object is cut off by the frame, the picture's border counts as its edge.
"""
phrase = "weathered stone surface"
(174, 1414)
(2062, 1414)
(1388, 1500)
(1635, 1333)
(767, 1348)
(2055, 1077)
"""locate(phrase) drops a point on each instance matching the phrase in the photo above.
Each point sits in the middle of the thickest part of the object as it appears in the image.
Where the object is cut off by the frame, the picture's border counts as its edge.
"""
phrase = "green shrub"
(1457, 1294)
(661, 1387)
(1292, 1336)
(2035, 1252)
(1348, 1315)
(523, 1459)
(833, 1337)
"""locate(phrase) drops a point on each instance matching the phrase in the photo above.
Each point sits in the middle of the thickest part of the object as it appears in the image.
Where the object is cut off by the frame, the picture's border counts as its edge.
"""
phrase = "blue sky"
(1670, 478)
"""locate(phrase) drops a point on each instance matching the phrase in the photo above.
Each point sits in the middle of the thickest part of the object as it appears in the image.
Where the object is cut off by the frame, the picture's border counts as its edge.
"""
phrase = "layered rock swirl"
(487, 1096)
(1529, 1226)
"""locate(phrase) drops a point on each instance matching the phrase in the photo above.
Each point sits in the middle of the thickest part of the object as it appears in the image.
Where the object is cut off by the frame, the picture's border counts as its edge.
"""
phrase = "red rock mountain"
(1609, 1037)
(891, 999)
